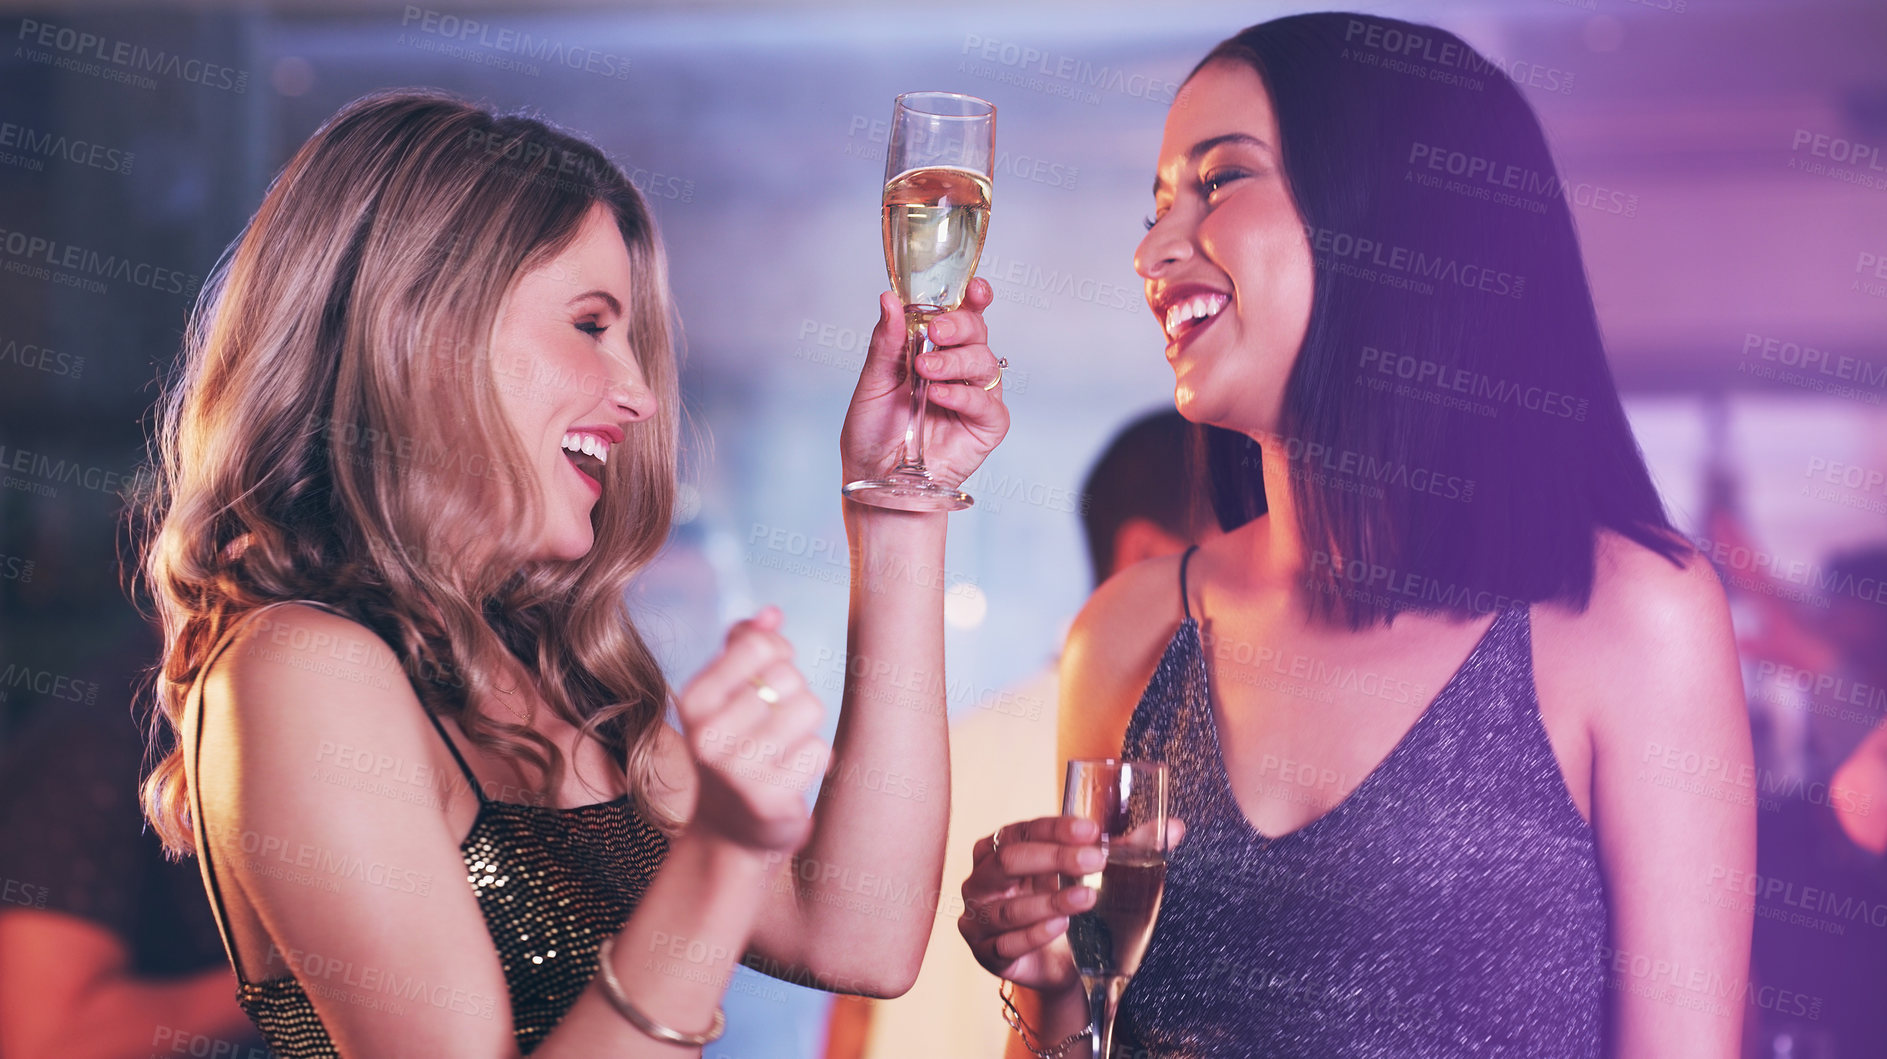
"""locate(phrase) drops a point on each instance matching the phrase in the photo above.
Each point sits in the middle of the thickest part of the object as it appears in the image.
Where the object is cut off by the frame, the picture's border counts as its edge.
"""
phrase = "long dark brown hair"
(1454, 434)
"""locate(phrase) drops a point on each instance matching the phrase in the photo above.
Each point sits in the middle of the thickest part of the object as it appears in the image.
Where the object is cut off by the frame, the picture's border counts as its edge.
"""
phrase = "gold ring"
(1001, 363)
(765, 690)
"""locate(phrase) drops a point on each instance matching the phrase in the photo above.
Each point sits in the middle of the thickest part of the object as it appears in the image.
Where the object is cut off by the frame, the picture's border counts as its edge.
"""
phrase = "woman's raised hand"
(965, 420)
(751, 724)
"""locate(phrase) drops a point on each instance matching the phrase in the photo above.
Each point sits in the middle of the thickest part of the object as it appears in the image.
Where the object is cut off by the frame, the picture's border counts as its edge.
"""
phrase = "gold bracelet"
(612, 989)
(1021, 1026)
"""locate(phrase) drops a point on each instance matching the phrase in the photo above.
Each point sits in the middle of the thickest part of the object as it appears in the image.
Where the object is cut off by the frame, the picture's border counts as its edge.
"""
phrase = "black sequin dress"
(1450, 906)
(552, 884)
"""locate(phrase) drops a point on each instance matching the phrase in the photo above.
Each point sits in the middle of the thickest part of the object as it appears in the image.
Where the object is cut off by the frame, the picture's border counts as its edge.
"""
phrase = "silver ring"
(765, 690)
(995, 841)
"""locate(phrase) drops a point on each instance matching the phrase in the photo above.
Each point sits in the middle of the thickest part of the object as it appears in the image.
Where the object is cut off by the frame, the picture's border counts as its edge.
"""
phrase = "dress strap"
(1184, 602)
(195, 745)
(471, 778)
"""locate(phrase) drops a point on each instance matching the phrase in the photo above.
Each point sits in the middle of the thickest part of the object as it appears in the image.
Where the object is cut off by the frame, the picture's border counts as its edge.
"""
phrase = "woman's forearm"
(867, 881)
(675, 955)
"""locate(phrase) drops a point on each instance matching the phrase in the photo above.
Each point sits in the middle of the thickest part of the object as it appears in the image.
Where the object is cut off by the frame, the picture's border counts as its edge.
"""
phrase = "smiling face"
(1226, 261)
(568, 382)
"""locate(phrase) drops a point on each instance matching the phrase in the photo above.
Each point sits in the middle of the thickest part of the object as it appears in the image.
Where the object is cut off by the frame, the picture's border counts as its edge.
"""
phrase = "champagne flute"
(1127, 799)
(938, 167)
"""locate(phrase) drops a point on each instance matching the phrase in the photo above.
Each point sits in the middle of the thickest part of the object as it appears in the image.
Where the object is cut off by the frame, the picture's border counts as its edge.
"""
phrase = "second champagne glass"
(938, 166)
(1127, 799)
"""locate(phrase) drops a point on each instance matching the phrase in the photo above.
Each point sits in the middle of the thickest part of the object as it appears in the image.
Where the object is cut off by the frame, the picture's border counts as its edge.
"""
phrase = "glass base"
(908, 492)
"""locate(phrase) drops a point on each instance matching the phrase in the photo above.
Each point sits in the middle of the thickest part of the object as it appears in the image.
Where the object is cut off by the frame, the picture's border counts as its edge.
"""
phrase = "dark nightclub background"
(1726, 161)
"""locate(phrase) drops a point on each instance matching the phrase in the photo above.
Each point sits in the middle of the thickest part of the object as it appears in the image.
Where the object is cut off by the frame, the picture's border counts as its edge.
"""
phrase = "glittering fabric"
(552, 884)
(1451, 906)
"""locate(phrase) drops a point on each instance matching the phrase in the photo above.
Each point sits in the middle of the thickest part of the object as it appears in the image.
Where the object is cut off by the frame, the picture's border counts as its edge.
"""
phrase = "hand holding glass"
(1127, 799)
(936, 211)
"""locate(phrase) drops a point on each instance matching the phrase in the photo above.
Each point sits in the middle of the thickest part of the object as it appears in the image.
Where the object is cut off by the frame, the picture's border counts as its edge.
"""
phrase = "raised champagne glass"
(938, 166)
(1127, 799)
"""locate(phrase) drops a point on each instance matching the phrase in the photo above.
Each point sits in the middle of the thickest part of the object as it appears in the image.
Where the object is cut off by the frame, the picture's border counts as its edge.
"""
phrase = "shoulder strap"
(195, 751)
(471, 779)
(1184, 602)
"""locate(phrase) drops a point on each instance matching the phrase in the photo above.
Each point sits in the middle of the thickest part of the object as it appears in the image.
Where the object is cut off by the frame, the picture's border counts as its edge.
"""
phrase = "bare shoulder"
(305, 700)
(1113, 647)
(1654, 631)
(336, 814)
(296, 664)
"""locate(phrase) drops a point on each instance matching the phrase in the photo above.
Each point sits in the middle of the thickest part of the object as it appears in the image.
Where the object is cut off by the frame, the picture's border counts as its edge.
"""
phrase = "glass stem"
(1103, 1001)
(916, 341)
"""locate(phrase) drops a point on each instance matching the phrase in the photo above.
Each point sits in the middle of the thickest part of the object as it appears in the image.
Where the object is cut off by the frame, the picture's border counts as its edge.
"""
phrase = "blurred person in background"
(422, 438)
(1820, 702)
(1140, 500)
(107, 949)
(1463, 553)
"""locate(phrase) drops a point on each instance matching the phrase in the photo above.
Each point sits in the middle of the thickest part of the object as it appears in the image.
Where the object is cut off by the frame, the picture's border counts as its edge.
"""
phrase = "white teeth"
(1197, 307)
(588, 444)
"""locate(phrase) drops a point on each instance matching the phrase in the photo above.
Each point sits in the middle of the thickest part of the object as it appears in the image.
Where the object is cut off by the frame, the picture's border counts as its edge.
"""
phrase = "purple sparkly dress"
(1451, 906)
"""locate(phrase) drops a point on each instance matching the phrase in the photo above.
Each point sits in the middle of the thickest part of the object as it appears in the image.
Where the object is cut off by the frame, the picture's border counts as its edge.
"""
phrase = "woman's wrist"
(1053, 1013)
(721, 858)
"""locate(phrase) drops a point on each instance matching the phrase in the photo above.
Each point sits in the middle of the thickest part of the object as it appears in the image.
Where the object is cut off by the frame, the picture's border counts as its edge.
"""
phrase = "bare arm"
(1014, 917)
(1673, 803)
(396, 955)
(66, 990)
(852, 912)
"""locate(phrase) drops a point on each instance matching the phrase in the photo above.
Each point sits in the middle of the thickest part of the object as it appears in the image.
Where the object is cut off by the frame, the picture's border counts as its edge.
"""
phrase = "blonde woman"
(423, 436)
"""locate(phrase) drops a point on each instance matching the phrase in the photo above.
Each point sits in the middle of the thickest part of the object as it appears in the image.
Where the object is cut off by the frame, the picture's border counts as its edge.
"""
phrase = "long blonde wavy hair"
(332, 429)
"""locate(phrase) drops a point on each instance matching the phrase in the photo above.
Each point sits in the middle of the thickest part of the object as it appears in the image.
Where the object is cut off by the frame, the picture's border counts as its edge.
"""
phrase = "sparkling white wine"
(934, 220)
(1109, 939)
